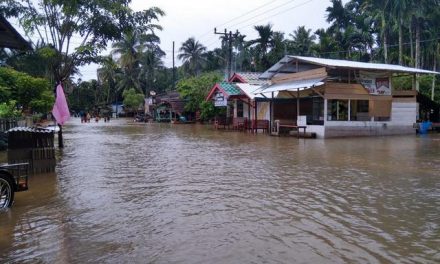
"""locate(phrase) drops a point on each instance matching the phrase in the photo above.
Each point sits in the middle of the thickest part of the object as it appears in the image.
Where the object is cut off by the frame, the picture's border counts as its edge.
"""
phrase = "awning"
(291, 86)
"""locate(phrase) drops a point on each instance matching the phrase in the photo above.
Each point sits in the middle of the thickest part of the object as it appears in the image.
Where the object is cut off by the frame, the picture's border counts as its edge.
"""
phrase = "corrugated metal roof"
(252, 77)
(341, 64)
(250, 90)
(30, 130)
(292, 85)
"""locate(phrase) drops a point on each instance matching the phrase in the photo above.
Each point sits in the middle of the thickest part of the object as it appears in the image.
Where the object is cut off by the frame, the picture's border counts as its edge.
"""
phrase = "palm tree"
(128, 51)
(192, 53)
(380, 10)
(262, 44)
(151, 62)
(303, 40)
(107, 76)
(399, 9)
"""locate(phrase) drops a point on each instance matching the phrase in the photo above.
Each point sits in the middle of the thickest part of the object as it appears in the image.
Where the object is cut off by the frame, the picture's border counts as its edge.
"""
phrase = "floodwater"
(160, 193)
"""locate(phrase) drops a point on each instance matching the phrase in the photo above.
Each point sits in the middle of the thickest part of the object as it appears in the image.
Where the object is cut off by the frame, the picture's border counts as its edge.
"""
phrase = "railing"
(6, 124)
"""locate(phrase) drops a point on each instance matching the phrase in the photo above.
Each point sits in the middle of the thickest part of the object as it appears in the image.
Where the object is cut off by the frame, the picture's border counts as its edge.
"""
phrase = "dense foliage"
(28, 93)
(195, 90)
(395, 31)
(91, 24)
(132, 100)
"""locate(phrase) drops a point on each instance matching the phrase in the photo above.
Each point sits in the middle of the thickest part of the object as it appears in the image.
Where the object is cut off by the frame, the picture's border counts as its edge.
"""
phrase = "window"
(239, 109)
(380, 109)
(318, 111)
(337, 110)
(359, 110)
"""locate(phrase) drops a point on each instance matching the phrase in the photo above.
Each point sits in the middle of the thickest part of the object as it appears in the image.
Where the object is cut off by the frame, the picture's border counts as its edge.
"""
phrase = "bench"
(260, 124)
(289, 125)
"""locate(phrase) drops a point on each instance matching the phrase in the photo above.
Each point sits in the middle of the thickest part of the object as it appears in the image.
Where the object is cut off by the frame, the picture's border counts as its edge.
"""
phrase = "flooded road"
(159, 193)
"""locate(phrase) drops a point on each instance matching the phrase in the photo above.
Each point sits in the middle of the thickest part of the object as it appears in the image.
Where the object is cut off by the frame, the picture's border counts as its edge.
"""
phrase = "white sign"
(220, 100)
(378, 84)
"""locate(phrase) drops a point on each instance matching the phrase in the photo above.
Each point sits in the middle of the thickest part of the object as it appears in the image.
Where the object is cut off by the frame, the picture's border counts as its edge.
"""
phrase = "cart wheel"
(6, 191)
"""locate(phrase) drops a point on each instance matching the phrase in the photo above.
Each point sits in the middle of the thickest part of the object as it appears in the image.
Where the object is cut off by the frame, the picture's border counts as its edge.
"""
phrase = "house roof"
(288, 59)
(10, 38)
(226, 88)
(247, 77)
(291, 85)
(250, 89)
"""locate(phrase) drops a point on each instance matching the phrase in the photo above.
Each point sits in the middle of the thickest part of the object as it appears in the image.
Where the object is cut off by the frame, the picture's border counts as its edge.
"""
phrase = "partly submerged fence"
(34, 146)
(6, 124)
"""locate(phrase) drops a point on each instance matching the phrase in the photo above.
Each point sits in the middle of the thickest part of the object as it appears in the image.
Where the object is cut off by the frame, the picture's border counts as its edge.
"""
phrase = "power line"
(263, 13)
(276, 14)
(240, 16)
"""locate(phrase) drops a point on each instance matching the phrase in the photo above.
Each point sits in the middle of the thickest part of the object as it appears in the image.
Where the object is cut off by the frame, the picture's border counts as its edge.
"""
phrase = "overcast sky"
(196, 18)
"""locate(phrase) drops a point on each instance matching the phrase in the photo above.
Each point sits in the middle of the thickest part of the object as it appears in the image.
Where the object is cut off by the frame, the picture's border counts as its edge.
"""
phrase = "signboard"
(378, 84)
(220, 100)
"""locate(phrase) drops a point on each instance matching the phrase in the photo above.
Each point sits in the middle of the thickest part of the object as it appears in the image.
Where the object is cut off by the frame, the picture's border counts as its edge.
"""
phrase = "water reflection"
(176, 193)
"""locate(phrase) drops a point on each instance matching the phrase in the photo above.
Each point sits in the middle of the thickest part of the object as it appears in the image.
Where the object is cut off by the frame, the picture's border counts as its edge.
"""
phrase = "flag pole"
(60, 111)
(60, 137)
(60, 131)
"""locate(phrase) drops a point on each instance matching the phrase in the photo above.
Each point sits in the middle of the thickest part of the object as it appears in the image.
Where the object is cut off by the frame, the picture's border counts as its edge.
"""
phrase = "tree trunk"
(411, 42)
(433, 80)
(400, 41)
(384, 38)
(417, 55)
(434, 69)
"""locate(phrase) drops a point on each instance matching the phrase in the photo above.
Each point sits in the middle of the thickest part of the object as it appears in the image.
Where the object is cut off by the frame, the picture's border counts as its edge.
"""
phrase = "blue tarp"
(424, 127)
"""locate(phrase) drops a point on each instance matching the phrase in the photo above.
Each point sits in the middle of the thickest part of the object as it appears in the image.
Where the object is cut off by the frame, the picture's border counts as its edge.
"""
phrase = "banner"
(220, 100)
(375, 83)
(60, 109)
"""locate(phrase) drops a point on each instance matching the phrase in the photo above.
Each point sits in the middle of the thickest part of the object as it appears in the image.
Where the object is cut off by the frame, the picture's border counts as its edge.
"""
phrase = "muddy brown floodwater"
(160, 193)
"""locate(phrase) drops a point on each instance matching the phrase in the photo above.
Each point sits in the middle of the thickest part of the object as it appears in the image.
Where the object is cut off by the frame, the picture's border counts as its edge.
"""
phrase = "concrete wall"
(403, 116)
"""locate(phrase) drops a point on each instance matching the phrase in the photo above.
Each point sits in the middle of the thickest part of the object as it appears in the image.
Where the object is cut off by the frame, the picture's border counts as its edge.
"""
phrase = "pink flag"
(60, 109)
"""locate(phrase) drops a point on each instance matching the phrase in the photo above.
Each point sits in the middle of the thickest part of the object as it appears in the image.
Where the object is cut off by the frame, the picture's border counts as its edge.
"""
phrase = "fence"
(6, 124)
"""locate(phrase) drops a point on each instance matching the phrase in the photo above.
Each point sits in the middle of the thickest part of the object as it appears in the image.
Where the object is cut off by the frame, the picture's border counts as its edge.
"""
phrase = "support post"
(271, 113)
(174, 71)
(60, 137)
(297, 106)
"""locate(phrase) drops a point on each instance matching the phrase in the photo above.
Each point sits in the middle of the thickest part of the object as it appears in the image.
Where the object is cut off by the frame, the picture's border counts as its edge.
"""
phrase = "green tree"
(107, 77)
(195, 90)
(83, 96)
(303, 41)
(132, 99)
(151, 63)
(30, 93)
(262, 45)
(192, 53)
(91, 24)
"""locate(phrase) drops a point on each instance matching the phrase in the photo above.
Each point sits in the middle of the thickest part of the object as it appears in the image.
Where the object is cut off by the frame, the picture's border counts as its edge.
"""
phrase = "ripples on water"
(187, 194)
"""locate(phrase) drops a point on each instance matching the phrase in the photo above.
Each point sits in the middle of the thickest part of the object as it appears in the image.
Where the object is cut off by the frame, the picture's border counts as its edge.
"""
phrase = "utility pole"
(229, 37)
(174, 71)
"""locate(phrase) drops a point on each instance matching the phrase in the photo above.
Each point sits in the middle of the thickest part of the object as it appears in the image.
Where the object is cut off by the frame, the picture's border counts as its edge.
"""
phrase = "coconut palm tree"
(107, 76)
(380, 11)
(303, 40)
(262, 45)
(192, 53)
(150, 62)
(400, 11)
